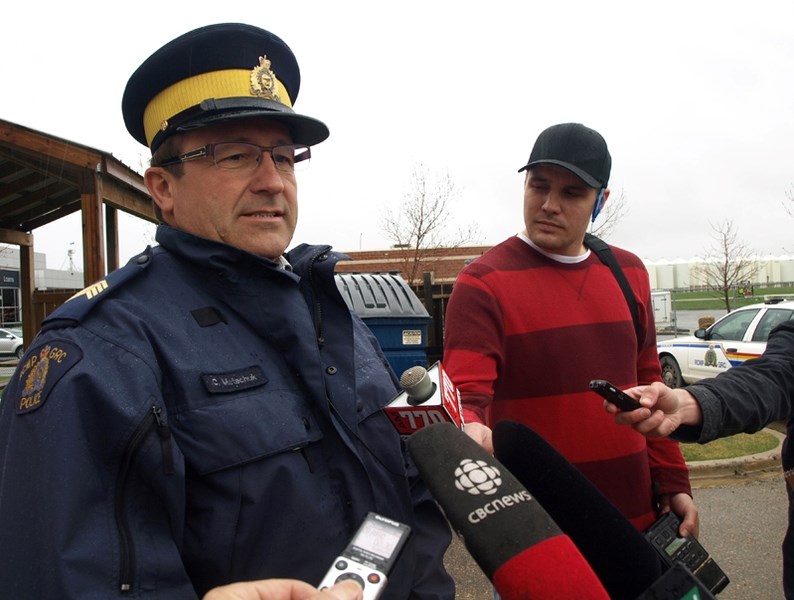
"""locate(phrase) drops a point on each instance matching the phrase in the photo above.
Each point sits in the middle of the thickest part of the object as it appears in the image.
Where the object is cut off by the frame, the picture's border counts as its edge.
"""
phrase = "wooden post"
(112, 231)
(93, 237)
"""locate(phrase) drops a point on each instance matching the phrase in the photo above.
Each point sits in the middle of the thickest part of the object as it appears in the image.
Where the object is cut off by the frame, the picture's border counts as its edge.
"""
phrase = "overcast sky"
(695, 100)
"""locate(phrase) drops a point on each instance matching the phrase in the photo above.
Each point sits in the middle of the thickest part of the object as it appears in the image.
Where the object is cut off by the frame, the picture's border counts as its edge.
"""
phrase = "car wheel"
(671, 372)
(20, 352)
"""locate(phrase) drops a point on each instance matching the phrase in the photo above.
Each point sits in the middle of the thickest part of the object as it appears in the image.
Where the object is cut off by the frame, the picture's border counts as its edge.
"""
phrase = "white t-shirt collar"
(571, 260)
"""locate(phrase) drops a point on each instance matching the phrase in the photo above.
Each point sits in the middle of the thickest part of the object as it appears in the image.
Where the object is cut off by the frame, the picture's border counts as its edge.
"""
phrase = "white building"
(45, 279)
(679, 274)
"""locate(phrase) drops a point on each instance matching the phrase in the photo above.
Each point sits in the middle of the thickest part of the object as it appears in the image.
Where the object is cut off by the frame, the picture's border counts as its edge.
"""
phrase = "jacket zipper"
(153, 419)
(306, 457)
(316, 306)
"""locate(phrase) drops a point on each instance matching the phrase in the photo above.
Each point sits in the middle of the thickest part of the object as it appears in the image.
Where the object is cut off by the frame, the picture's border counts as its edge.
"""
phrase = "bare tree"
(614, 210)
(788, 206)
(728, 264)
(422, 221)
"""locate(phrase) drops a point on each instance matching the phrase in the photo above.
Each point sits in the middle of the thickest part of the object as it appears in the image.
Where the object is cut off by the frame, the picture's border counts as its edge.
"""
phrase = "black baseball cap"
(213, 74)
(581, 150)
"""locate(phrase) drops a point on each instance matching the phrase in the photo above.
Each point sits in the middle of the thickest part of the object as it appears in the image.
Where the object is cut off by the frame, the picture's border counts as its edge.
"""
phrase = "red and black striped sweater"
(525, 334)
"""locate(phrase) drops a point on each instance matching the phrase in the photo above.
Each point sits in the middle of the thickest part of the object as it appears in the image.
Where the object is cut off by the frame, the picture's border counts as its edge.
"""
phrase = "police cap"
(214, 74)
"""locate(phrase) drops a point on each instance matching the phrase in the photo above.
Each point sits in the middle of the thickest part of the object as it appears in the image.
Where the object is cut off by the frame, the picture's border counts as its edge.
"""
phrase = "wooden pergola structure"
(44, 178)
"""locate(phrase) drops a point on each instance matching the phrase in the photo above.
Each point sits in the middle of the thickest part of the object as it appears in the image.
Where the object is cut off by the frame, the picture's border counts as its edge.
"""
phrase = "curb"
(765, 465)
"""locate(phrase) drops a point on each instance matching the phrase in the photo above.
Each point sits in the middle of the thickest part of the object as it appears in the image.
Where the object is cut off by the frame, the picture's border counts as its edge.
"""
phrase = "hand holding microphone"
(480, 434)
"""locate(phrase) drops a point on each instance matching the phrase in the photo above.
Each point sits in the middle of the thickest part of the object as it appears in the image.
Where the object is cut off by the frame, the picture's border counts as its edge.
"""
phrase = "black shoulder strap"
(604, 253)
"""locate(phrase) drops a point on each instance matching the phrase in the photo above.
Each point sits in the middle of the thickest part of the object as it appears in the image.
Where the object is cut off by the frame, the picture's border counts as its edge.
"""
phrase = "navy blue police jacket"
(202, 417)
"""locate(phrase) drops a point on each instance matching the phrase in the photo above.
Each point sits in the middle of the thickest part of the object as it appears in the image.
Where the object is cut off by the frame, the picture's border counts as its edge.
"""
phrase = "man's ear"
(159, 182)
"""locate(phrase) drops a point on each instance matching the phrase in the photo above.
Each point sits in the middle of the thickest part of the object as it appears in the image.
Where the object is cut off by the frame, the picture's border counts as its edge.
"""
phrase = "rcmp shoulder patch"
(42, 368)
(78, 306)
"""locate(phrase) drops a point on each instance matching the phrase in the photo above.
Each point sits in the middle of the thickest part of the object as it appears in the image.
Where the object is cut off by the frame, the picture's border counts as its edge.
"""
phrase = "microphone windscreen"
(416, 382)
(428, 396)
(510, 536)
(623, 559)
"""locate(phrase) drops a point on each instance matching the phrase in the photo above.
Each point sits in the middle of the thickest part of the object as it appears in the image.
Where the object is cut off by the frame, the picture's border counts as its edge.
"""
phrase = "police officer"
(211, 412)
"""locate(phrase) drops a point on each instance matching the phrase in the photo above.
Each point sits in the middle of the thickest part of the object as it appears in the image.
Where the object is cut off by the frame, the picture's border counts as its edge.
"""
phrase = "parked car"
(11, 344)
(739, 335)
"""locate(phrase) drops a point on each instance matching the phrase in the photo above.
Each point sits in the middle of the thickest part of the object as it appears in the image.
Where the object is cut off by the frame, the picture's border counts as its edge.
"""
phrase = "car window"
(772, 318)
(733, 325)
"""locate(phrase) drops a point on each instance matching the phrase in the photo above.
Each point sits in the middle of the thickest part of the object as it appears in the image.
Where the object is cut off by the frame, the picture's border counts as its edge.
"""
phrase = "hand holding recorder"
(369, 557)
(664, 410)
(284, 589)
(612, 394)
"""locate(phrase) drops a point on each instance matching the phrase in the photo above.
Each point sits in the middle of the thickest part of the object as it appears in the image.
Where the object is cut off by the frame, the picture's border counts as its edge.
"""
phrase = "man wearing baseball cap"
(211, 412)
(537, 317)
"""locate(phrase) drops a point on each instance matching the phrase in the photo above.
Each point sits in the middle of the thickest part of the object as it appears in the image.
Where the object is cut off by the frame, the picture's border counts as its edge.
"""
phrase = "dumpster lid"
(379, 295)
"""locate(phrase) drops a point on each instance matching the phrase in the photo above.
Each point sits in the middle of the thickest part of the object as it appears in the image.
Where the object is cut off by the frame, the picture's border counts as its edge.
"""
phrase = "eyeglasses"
(242, 156)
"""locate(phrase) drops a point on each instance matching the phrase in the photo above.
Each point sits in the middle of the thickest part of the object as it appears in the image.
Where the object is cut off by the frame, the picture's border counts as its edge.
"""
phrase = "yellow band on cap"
(194, 90)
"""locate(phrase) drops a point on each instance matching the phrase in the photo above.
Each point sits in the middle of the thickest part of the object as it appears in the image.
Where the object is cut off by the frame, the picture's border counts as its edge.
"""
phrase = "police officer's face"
(254, 210)
(557, 209)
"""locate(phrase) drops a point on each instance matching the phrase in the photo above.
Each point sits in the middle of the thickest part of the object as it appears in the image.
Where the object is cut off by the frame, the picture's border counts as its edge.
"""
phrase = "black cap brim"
(303, 129)
(572, 168)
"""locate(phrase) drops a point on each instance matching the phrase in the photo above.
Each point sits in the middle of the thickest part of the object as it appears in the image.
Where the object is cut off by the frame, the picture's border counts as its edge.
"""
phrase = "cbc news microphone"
(510, 536)
(621, 556)
(428, 396)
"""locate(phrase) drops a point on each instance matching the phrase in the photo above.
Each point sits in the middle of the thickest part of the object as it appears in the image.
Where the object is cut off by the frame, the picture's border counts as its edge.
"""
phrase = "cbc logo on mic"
(477, 477)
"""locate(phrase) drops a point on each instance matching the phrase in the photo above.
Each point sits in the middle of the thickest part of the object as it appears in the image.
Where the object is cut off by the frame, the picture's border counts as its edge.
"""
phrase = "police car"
(736, 337)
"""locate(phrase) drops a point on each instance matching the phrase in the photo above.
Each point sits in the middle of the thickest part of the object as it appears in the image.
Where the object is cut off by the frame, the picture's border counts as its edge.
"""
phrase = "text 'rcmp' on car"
(736, 337)
(11, 344)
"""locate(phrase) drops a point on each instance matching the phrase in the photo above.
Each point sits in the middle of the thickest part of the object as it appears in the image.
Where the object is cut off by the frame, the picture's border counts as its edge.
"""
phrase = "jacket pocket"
(243, 427)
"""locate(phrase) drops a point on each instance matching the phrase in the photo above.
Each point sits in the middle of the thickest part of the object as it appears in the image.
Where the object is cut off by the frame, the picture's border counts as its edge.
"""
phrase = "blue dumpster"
(392, 311)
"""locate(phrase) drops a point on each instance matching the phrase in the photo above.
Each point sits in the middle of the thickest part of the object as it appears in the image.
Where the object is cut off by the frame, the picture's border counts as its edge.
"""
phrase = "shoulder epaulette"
(75, 309)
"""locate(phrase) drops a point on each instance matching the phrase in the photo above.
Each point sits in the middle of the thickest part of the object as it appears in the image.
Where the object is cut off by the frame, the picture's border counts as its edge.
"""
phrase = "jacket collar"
(228, 261)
